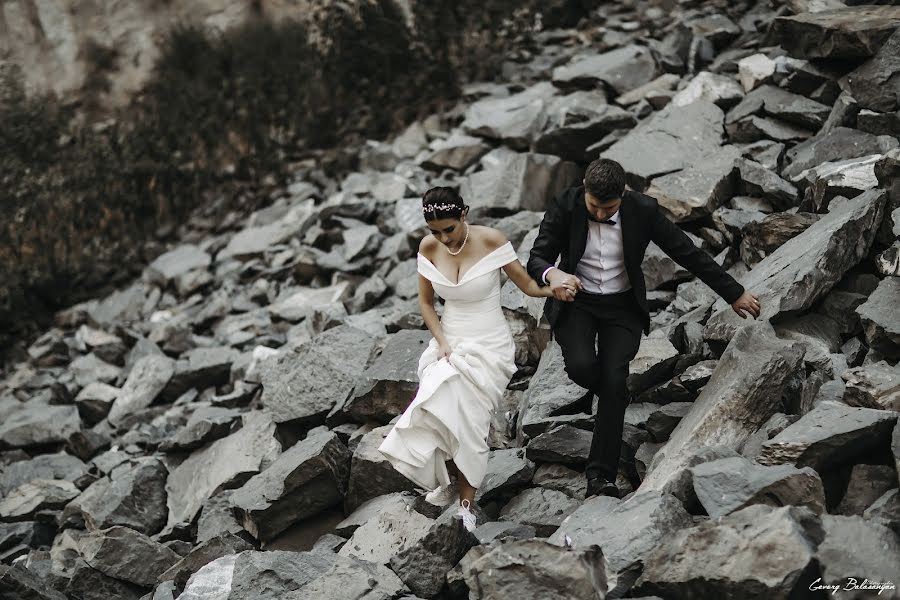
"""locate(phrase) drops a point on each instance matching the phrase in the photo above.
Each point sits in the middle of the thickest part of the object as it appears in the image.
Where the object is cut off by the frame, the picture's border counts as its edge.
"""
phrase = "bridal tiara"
(435, 207)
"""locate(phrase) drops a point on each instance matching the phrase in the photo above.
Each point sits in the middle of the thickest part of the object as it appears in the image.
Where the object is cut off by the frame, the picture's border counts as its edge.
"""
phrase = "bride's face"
(449, 232)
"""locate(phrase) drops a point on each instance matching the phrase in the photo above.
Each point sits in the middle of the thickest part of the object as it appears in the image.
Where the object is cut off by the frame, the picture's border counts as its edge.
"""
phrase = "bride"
(470, 359)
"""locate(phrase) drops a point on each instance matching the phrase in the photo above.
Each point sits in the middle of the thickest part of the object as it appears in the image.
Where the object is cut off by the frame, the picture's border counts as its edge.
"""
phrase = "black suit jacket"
(564, 230)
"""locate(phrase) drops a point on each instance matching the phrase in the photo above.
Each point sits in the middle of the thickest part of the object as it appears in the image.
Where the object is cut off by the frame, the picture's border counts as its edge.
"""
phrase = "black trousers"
(599, 335)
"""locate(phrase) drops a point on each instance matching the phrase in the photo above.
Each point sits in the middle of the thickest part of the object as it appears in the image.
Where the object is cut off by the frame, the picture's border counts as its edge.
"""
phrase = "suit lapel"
(626, 213)
(578, 234)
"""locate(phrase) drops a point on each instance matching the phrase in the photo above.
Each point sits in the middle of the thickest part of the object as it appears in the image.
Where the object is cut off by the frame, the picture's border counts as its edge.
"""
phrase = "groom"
(601, 232)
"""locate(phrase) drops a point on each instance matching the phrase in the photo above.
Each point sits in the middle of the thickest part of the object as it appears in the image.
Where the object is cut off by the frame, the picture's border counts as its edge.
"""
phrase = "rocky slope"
(210, 431)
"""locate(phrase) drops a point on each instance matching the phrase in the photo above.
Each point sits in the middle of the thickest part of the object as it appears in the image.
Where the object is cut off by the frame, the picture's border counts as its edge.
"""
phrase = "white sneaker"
(443, 495)
(468, 517)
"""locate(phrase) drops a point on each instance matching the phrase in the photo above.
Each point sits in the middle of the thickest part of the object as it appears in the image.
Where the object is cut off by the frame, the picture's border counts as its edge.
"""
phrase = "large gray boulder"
(831, 434)
(35, 424)
(805, 268)
(305, 385)
(223, 464)
(876, 84)
(881, 319)
(514, 120)
(128, 555)
(846, 32)
(622, 69)
(627, 530)
(673, 139)
(729, 484)
(523, 181)
(147, 379)
(733, 556)
(304, 480)
(536, 569)
(744, 392)
(388, 385)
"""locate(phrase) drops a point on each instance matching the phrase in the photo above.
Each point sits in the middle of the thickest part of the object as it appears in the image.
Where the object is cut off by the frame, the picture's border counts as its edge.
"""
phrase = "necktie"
(606, 222)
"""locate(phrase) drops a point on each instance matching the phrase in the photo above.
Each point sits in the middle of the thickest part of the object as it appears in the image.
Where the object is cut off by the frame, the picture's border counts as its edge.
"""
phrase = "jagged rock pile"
(211, 431)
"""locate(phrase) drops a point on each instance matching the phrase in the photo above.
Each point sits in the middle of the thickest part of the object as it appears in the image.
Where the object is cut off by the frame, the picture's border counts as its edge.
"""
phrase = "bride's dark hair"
(443, 203)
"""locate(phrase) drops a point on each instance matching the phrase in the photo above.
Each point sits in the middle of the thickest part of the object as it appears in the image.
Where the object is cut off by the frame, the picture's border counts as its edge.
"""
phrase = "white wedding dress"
(450, 416)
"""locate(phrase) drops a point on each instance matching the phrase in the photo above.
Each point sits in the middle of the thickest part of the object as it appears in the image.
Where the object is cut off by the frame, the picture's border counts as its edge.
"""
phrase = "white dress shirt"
(602, 266)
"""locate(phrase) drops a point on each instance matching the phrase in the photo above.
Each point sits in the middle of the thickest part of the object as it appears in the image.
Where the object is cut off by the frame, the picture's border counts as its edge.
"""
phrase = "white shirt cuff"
(544, 274)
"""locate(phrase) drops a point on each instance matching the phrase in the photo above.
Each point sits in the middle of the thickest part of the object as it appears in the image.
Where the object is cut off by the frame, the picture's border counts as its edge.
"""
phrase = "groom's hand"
(747, 303)
(563, 285)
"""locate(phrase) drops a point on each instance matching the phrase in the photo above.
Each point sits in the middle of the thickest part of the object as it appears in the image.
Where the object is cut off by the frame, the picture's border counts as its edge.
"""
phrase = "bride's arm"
(525, 282)
(432, 321)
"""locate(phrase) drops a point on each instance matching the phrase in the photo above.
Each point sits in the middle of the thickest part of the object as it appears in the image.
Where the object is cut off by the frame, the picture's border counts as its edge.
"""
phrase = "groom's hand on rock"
(563, 285)
(747, 303)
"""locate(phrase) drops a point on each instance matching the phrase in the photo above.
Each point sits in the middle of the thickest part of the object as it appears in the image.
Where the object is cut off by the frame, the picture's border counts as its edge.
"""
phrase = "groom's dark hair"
(605, 179)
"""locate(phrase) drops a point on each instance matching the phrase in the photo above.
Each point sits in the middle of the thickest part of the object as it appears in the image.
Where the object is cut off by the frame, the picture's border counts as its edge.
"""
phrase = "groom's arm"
(674, 242)
(549, 242)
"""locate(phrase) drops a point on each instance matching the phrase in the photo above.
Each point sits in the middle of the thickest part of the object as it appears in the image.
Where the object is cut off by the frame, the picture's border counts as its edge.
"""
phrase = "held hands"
(747, 303)
(563, 285)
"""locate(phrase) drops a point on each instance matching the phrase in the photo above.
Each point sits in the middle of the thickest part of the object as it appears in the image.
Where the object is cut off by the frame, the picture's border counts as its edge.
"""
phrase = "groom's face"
(600, 211)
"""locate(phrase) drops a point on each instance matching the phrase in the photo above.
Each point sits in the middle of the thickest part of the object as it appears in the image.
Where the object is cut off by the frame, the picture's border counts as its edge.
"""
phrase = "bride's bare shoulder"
(492, 238)
(427, 246)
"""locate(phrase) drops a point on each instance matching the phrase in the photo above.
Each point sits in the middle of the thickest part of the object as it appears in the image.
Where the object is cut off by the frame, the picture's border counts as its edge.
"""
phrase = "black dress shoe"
(598, 486)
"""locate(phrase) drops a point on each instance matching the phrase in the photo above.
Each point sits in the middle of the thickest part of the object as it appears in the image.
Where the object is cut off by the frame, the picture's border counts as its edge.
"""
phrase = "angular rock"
(507, 470)
(520, 181)
(829, 435)
(18, 582)
(627, 530)
(60, 466)
(225, 463)
(754, 70)
(671, 140)
(622, 69)
(698, 190)
(36, 425)
(128, 555)
(563, 444)
(26, 501)
(550, 393)
(856, 555)
(458, 152)
(873, 386)
(806, 267)
(840, 143)
(867, 484)
(133, 495)
(744, 391)
(757, 129)
(389, 383)
(536, 569)
(386, 534)
(541, 508)
(423, 566)
(515, 120)
(847, 178)
(653, 363)
(722, 557)
(579, 127)
(718, 89)
(851, 32)
(772, 101)
(306, 384)
(149, 376)
(761, 238)
(729, 484)
(303, 481)
(203, 554)
(176, 262)
(881, 319)
(756, 180)
(371, 474)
